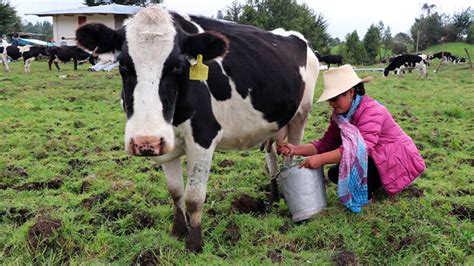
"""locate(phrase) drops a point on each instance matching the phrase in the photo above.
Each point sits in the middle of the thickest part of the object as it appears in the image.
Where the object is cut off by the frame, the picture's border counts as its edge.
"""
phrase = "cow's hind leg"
(174, 180)
(5, 63)
(272, 165)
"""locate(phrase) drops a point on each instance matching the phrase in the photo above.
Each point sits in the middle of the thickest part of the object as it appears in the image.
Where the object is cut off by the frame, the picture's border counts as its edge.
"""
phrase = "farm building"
(65, 22)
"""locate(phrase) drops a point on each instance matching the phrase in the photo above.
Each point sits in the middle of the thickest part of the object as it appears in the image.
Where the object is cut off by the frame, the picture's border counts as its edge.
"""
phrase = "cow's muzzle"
(146, 146)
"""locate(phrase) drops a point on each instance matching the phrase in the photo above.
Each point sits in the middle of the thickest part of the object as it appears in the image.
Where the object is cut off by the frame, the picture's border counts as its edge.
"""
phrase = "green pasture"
(70, 195)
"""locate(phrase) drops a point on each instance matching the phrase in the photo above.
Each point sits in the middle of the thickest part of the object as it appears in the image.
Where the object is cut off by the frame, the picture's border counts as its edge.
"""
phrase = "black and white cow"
(65, 54)
(331, 59)
(28, 53)
(443, 55)
(260, 87)
(406, 61)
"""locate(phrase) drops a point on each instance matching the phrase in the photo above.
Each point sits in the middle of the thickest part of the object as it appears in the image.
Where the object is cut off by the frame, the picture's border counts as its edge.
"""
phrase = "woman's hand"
(312, 162)
(286, 149)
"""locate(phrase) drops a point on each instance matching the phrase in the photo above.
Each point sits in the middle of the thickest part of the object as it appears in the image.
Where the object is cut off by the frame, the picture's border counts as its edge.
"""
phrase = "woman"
(363, 138)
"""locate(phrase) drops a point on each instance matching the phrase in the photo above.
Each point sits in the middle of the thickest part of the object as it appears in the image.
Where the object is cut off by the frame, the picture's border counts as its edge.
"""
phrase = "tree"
(461, 23)
(121, 2)
(372, 43)
(386, 40)
(233, 12)
(354, 51)
(470, 34)
(45, 28)
(401, 43)
(9, 21)
(428, 29)
(287, 14)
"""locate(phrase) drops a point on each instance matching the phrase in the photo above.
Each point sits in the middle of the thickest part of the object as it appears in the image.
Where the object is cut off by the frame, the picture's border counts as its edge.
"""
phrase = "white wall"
(65, 26)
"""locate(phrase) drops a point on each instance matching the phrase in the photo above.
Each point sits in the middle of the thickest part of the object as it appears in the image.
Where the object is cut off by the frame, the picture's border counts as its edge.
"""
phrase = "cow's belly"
(242, 125)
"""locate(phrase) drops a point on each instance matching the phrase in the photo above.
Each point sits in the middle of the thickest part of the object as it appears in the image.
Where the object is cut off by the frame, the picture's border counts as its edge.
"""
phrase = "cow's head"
(154, 63)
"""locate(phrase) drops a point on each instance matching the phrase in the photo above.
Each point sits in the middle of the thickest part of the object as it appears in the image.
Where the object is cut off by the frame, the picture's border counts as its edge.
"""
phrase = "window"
(81, 20)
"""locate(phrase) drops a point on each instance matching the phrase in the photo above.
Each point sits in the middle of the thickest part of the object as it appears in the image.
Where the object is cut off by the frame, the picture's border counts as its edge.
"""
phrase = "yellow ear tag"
(199, 71)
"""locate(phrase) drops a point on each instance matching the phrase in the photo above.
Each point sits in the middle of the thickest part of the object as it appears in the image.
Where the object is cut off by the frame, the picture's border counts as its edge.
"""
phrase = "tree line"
(429, 29)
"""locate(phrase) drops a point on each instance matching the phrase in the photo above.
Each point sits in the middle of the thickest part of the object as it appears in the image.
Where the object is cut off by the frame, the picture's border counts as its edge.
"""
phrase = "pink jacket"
(393, 151)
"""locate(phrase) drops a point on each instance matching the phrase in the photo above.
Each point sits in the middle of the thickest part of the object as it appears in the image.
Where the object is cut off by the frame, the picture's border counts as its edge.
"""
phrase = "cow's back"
(262, 77)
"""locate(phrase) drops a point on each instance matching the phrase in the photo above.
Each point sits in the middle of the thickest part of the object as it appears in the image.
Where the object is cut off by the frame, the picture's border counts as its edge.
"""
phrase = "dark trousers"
(373, 178)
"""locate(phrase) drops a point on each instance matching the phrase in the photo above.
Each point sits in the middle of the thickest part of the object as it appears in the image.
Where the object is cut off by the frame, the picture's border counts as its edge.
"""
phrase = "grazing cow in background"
(331, 59)
(65, 54)
(406, 61)
(15, 52)
(260, 86)
(446, 56)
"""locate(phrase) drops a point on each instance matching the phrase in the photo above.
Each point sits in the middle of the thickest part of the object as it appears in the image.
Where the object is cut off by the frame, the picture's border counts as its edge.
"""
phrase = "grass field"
(70, 194)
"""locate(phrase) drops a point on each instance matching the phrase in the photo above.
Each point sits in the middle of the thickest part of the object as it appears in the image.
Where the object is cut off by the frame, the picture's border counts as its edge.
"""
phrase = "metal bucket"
(304, 191)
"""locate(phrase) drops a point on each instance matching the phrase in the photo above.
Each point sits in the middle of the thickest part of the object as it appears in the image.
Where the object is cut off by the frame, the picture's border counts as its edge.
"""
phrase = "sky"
(343, 16)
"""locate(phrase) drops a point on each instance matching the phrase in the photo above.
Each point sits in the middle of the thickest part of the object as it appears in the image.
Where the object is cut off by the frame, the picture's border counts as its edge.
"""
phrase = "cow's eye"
(178, 69)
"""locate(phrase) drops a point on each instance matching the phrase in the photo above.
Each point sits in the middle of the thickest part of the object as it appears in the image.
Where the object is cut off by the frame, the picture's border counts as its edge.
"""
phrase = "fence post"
(468, 56)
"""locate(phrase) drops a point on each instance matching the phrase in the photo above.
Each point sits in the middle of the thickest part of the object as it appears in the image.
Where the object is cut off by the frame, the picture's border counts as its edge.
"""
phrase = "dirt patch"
(147, 257)
(15, 171)
(79, 124)
(247, 204)
(275, 255)
(114, 213)
(52, 184)
(462, 212)
(42, 231)
(344, 257)
(232, 234)
(72, 99)
(284, 228)
(338, 243)
(291, 247)
(469, 162)
(463, 192)
(212, 212)
(412, 192)
(143, 220)
(85, 186)
(404, 242)
(226, 163)
(77, 164)
(19, 216)
(93, 200)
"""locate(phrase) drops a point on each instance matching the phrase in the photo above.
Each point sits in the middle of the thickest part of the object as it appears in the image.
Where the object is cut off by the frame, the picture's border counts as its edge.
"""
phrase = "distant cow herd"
(63, 54)
(55, 54)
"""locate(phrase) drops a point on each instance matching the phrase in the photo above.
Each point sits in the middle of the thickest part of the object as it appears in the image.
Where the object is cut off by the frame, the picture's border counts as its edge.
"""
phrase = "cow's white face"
(154, 65)
(150, 39)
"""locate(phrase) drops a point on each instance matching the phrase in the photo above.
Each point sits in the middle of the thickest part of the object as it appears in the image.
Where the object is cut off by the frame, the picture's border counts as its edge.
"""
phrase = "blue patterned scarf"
(352, 183)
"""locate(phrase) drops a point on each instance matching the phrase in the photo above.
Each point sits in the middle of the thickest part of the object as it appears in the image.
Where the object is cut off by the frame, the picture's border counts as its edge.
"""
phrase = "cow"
(406, 61)
(260, 87)
(65, 54)
(444, 55)
(28, 53)
(331, 59)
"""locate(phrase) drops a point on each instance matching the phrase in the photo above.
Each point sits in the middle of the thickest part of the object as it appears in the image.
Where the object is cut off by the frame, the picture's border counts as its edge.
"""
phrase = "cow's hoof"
(180, 228)
(194, 240)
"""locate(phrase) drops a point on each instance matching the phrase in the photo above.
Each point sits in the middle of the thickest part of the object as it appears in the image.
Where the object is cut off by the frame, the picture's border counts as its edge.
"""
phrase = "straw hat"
(339, 80)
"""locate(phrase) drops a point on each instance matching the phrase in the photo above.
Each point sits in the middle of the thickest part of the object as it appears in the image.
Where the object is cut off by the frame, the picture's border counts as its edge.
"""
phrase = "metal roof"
(102, 9)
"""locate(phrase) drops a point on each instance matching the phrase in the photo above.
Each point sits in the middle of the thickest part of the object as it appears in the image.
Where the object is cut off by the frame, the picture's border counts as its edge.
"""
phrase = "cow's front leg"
(174, 180)
(199, 164)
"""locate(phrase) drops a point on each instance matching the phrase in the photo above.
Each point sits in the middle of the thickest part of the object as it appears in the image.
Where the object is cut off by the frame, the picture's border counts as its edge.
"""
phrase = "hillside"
(456, 48)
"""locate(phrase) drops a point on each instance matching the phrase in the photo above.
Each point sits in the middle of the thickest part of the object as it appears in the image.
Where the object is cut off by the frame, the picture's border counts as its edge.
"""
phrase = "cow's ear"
(209, 44)
(100, 38)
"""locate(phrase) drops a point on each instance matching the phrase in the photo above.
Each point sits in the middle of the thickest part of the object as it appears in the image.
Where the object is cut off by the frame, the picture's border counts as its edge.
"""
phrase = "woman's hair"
(359, 89)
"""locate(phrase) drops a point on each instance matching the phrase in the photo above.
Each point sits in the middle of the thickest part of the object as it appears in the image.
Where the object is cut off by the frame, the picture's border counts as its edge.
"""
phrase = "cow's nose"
(146, 146)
